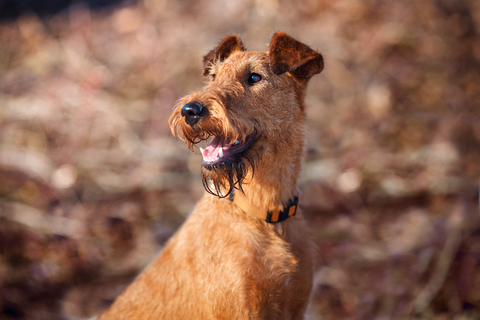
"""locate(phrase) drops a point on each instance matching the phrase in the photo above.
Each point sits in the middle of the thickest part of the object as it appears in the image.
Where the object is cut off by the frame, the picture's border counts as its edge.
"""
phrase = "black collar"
(239, 199)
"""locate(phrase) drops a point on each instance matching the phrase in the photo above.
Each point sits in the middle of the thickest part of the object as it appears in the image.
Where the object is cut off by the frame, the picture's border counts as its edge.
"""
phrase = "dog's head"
(250, 101)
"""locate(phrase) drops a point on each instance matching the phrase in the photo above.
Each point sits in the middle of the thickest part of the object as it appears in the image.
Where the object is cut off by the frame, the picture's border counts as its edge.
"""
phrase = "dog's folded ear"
(228, 46)
(290, 55)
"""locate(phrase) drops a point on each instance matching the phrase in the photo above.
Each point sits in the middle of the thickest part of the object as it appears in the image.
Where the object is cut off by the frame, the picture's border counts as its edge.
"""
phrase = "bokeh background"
(92, 184)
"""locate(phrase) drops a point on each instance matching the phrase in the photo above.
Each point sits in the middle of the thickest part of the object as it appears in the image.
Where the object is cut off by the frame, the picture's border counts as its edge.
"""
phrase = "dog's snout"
(192, 112)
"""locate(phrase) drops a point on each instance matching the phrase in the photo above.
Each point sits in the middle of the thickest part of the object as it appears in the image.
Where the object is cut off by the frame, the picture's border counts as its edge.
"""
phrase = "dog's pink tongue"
(214, 150)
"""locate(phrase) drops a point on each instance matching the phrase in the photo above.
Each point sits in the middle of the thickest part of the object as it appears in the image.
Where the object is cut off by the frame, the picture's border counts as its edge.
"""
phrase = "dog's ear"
(290, 55)
(228, 46)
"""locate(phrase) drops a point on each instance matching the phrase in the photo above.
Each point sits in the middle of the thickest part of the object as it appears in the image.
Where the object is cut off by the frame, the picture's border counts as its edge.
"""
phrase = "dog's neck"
(272, 194)
(275, 181)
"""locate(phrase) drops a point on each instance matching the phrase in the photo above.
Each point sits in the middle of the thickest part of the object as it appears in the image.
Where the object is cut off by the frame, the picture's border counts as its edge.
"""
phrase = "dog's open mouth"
(219, 150)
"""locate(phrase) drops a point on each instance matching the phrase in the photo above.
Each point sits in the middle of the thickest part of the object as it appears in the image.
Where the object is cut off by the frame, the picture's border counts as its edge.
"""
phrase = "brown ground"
(92, 184)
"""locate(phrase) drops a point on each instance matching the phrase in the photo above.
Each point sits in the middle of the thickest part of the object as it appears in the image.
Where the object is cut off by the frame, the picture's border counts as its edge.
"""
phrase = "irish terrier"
(244, 252)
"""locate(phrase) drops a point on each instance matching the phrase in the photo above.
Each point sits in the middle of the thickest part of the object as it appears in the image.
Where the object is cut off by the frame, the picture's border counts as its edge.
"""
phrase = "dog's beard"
(222, 178)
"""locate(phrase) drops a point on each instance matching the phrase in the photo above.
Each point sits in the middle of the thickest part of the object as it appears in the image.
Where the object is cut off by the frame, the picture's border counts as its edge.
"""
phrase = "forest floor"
(92, 184)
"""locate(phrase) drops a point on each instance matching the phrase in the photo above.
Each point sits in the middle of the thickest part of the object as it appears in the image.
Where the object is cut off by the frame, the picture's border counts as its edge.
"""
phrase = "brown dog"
(244, 253)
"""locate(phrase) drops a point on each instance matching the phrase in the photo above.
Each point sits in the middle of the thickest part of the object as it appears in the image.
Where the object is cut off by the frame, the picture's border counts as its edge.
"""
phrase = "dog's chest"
(248, 250)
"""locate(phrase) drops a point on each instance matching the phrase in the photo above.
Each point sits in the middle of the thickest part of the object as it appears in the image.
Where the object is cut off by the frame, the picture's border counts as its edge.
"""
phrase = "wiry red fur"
(224, 263)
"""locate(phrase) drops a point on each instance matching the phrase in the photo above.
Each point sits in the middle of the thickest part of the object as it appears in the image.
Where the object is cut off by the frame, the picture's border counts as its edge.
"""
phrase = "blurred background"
(92, 184)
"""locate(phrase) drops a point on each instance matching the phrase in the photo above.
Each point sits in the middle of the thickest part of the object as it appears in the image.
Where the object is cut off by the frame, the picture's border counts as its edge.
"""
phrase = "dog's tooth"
(220, 153)
(201, 150)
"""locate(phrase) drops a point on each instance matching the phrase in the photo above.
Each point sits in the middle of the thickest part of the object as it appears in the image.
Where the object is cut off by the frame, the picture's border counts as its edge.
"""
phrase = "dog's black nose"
(192, 112)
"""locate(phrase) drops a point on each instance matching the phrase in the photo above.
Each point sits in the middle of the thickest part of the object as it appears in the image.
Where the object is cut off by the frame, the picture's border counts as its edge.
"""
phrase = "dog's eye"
(253, 78)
